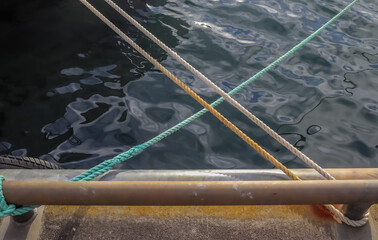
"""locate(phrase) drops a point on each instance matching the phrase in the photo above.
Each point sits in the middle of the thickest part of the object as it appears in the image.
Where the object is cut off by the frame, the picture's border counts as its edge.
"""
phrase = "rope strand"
(261, 151)
(10, 210)
(225, 96)
(194, 95)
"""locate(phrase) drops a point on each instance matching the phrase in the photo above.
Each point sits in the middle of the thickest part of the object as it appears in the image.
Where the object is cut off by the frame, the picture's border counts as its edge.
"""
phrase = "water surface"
(74, 92)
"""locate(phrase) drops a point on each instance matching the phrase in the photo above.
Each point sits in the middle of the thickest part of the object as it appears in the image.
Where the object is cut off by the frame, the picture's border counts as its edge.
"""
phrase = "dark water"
(72, 91)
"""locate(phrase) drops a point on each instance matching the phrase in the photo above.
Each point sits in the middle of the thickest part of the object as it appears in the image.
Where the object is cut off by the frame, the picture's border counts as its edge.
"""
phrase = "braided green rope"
(11, 210)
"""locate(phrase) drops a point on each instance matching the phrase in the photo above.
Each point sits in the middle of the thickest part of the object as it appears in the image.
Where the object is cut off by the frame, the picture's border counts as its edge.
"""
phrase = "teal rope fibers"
(11, 210)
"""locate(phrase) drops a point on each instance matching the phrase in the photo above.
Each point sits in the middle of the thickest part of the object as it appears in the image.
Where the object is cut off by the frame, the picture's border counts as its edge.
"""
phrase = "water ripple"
(92, 96)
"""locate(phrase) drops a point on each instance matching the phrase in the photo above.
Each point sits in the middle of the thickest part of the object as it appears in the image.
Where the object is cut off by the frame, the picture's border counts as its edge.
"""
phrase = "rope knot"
(6, 210)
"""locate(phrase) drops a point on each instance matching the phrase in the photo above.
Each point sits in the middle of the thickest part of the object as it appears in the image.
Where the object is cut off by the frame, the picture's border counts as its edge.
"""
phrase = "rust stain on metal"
(322, 213)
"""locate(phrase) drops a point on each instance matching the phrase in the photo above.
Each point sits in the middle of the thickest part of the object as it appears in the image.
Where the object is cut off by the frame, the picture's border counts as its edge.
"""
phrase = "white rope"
(336, 212)
(339, 215)
(228, 98)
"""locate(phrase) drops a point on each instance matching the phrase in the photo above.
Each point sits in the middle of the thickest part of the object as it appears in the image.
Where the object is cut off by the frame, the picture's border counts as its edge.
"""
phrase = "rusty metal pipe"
(190, 192)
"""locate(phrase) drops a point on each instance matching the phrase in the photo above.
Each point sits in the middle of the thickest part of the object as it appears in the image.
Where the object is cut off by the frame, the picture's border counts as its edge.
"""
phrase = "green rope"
(11, 210)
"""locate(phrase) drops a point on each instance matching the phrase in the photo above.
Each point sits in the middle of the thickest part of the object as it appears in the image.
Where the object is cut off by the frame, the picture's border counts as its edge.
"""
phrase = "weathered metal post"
(356, 211)
(23, 218)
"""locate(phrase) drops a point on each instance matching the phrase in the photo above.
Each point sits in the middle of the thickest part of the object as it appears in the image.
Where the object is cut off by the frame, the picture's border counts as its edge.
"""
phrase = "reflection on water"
(74, 92)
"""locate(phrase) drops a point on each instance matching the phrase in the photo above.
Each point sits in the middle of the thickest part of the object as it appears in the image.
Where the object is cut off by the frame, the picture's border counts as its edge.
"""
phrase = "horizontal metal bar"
(190, 175)
(190, 192)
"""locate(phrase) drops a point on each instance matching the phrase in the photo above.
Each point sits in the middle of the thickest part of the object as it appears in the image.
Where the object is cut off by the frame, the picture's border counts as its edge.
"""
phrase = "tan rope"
(194, 95)
(228, 98)
(336, 213)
